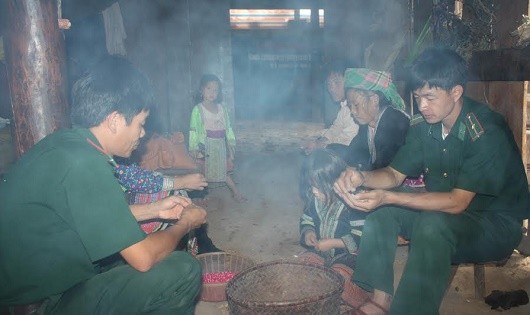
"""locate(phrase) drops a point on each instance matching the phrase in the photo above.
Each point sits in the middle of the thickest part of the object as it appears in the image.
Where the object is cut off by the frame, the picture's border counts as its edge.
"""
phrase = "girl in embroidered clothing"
(329, 229)
(212, 141)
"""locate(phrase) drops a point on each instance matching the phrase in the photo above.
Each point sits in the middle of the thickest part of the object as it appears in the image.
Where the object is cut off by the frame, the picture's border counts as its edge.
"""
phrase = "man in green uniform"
(475, 201)
(63, 214)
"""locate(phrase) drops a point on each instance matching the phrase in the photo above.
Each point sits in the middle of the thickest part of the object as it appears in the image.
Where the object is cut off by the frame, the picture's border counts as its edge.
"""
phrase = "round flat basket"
(285, 288)
(217, 270)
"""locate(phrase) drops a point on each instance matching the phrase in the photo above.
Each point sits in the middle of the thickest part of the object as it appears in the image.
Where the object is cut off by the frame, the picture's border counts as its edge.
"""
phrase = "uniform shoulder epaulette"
(474, 127)
(416, 119)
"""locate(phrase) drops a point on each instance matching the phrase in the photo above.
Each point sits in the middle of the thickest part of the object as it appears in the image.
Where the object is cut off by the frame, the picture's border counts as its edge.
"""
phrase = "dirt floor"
(265, 228)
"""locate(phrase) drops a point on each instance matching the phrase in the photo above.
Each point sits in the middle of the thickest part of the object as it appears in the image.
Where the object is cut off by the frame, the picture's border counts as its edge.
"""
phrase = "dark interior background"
(175, 41)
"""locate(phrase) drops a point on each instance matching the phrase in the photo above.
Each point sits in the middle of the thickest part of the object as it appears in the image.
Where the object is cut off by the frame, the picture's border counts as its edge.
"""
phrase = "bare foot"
(379, 304)
(371, 308)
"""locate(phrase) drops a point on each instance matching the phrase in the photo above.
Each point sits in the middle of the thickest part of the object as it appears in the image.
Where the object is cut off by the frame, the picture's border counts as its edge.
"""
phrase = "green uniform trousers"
(170, 287)
(437, 240)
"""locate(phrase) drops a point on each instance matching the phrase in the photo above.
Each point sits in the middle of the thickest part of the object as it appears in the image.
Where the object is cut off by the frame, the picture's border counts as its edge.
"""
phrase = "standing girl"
(329, 229)
(212, 141)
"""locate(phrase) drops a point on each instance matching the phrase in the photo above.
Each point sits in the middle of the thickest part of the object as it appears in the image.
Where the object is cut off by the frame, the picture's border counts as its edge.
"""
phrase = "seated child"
(329, 229)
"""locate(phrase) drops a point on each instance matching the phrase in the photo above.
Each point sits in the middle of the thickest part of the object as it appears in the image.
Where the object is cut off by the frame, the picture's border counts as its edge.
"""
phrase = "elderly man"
(475, 201)
(71, 215)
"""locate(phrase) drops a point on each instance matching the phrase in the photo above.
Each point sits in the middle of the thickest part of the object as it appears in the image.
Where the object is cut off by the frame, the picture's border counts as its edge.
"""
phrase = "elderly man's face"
(335, 83)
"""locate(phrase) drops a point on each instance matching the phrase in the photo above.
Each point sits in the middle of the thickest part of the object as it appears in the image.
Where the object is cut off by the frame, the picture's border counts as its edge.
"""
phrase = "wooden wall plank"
(509, 99)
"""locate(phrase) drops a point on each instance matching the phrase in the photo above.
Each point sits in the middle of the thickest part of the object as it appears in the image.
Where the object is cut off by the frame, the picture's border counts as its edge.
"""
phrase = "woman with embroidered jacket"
(379, 110)
(212, 141)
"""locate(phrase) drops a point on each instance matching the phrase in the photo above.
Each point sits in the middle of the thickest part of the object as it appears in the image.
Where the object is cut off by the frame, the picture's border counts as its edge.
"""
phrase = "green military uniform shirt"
(61, 211)
(478, 155)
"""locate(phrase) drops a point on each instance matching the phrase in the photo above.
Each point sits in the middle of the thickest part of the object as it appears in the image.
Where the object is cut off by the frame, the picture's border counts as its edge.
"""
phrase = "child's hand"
(194, 181)
(327, 244)
(310, 238)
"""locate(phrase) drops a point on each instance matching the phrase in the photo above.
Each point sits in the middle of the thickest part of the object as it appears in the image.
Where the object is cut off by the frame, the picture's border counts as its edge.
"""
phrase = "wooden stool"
(479, 274)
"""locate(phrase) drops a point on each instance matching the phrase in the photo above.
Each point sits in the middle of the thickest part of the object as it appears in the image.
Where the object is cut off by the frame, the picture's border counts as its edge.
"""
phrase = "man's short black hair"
(438, 67)
(337, 66)
(113, 84)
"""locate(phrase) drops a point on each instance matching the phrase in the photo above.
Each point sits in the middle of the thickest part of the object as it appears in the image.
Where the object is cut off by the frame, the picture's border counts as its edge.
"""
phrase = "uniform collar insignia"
(461, 131)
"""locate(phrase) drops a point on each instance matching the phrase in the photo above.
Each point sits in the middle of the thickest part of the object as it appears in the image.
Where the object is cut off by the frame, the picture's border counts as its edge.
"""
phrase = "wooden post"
(35, 60)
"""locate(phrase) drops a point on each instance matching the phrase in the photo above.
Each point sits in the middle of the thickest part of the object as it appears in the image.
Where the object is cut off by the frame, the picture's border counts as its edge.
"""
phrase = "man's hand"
(195, 181)
(366, 201)
(144, 254)
(193, 216)
(171, 207)
(310, 238)
(348, 182)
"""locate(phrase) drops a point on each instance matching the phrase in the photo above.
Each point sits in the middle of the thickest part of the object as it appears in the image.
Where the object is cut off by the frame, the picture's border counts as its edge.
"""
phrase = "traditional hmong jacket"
(198, 131)
(335, 221)
(144, 186)
(138, 180)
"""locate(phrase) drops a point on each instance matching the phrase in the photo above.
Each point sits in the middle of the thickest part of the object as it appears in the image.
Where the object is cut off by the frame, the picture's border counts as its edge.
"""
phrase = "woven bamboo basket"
(284, 287)
(216, 263)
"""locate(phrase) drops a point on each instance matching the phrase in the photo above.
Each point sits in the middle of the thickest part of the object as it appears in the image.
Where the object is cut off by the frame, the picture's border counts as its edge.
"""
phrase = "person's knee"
(431, 225)
(379, 219)
(378, 215)
(186, 263)
(178, 267)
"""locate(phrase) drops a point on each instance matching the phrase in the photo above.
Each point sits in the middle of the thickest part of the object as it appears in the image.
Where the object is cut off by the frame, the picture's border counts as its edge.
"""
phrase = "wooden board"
(509, 99)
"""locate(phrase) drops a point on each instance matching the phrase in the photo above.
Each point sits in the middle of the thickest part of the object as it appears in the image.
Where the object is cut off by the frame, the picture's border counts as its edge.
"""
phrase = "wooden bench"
(479, 274)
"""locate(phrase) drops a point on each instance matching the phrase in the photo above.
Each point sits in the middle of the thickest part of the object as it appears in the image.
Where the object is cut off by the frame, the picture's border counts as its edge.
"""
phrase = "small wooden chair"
(479, 274)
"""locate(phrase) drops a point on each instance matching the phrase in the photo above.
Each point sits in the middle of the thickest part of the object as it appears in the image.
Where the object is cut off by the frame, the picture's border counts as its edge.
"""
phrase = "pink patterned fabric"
(150, 226)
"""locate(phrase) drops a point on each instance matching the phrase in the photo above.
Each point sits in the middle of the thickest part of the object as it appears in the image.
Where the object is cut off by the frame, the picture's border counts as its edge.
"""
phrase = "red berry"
(217, 277)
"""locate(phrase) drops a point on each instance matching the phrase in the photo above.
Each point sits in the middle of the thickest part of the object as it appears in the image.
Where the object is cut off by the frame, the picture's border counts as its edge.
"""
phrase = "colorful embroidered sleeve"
(353, 239)
(197, 131)
(138, 180)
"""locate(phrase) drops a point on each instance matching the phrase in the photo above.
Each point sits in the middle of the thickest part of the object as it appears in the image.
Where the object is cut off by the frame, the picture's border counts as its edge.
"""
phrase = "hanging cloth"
(114, 30)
